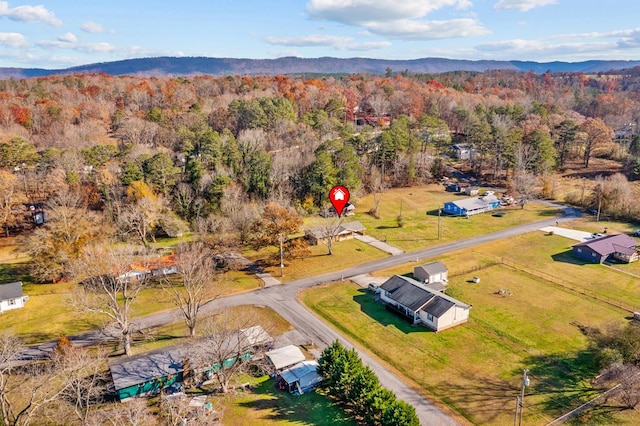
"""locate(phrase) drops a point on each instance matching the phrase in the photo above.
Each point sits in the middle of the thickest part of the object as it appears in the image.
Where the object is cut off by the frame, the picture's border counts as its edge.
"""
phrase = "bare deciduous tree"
(132, 413)
(225, 349)
(140, 218)
(107, 286)
(196, 272)
(28, 388)
(11, 197)
(523, 180)
(53, 246)
(327, 233)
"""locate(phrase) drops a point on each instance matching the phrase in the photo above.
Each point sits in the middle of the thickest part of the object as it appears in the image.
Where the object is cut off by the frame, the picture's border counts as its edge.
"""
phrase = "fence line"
(604, 299)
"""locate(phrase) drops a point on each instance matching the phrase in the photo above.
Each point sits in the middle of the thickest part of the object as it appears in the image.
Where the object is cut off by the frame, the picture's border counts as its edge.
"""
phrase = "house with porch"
(11, 296)
(343, 232)
(619, 247)
(421, 304)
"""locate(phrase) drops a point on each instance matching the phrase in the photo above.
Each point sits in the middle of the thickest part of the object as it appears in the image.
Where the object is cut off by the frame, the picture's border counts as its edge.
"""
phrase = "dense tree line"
(154, 156)
(356, 386)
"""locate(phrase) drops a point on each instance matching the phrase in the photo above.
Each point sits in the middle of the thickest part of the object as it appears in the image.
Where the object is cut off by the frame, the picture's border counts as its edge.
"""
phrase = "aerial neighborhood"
(406, 248)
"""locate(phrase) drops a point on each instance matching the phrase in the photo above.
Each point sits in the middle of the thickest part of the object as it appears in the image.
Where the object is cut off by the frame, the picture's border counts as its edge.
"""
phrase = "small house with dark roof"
(600, 249)
(423, 305)
(301, 378)
(344, 231)
(11, 296)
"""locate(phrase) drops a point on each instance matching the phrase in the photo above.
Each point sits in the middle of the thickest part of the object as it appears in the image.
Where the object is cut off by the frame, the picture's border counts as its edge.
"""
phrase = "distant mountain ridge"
(189, 66)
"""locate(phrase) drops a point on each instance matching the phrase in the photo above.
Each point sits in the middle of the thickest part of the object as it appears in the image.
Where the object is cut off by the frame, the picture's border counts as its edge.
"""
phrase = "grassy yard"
(476, 368)
(419, 207)
(266, 405)
(50, 313)
(345, 254)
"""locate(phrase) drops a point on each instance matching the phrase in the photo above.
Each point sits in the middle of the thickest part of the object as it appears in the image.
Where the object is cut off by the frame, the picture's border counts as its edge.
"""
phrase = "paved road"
(282, 298)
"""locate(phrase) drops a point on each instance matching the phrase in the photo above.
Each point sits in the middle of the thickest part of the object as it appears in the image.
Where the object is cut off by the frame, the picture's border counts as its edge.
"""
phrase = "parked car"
(636, 233)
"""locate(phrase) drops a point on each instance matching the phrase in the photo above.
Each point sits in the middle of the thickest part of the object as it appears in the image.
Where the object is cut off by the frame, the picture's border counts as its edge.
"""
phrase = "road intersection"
(283, 299)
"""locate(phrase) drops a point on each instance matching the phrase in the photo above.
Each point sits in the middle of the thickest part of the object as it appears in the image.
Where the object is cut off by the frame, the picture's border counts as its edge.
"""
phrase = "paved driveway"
(568, 233)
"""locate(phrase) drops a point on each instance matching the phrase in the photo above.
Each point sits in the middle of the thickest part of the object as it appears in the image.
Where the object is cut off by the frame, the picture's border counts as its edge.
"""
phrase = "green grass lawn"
(419, 207)
(476, 368)
(345, 254)
(266, 405)
(50, 312)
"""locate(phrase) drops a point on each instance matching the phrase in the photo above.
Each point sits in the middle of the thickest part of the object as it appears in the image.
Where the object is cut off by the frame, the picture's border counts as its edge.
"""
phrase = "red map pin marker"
(339, 197)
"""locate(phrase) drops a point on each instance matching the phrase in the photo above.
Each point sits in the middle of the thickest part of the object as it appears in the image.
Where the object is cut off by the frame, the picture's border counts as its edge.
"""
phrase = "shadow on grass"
(564, 380)
(377, 311)
(549, 213)
(312, 408)
(12, 272)
(489, 399)
(568, 257)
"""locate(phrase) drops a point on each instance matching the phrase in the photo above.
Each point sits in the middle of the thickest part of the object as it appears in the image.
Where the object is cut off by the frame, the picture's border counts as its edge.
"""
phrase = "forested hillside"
(150, 156)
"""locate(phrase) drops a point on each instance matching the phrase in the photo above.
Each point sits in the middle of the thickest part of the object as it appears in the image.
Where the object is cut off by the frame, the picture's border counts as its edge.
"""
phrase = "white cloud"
(68, 38)
(429, 30)
(92, 27)
(363, 12)
(29, 14)
(337, 42)
(522, 5)
(13, 40)
(400, 20)
(310, 40)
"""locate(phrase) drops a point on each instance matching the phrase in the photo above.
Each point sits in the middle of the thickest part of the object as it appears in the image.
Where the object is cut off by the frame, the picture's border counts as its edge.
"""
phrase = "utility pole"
(439, 224)
(517, 419)
(281, 256)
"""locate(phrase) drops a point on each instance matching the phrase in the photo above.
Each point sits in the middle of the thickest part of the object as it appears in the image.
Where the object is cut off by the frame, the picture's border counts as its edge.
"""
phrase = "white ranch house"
(11, 296)
(423, 305)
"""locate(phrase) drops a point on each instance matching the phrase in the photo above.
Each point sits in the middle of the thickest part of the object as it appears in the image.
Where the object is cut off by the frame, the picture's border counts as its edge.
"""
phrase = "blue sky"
(63, 33)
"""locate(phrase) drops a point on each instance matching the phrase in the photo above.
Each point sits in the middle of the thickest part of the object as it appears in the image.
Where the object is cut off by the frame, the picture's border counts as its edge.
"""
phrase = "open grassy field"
(476, 368)
(419, 207)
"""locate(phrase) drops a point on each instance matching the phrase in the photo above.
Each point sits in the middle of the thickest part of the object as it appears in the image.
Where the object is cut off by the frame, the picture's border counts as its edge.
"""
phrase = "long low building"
(472, 205)
(423, 305)
(149, 373)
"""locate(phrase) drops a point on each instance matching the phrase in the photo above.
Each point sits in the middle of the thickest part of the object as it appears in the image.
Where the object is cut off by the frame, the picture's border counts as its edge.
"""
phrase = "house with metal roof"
(285, 356)
(472, 205)
(11, 296)
(153, 371)
(301, 378)
(600, 249)
(423, 305)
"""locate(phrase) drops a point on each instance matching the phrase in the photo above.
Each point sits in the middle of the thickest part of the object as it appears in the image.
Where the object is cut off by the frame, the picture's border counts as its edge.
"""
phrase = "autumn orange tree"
(595, 133)
(275, 226)
(11, 197)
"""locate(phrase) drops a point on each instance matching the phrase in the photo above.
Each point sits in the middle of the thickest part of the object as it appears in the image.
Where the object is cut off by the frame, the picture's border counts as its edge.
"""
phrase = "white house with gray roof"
(11, 296)
(423, 305)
